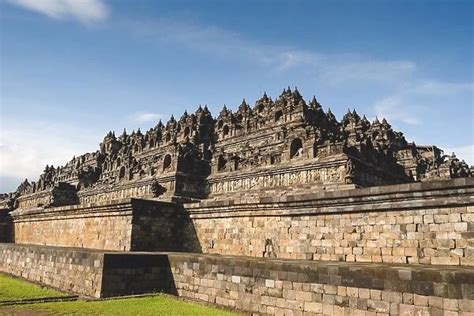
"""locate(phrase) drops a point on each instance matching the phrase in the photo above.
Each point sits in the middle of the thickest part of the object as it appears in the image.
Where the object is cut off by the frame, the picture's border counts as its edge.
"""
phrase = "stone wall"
(289, 287)
(260, 285)
(101, 226)
(127, 224)
(427, 223)
(68, 269)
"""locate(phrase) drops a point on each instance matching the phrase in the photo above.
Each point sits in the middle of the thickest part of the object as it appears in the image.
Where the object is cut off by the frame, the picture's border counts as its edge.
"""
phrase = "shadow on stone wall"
(6, 227)
(162, 226)
(127, 274)
(189, 241)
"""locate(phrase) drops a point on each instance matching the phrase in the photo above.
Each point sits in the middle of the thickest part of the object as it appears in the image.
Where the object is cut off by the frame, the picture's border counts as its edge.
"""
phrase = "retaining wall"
(427, 223)
(127, 224)
(261, 285)
(72, 270)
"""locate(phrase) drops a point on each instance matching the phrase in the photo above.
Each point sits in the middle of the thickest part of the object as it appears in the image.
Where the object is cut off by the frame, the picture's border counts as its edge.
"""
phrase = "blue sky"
(71, 70)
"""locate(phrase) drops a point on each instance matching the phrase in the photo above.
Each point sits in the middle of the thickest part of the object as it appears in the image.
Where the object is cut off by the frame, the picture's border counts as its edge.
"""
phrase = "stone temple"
(277, 208)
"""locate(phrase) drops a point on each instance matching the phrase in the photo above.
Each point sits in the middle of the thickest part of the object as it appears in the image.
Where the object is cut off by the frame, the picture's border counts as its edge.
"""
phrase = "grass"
(15, 289)
(153, 305)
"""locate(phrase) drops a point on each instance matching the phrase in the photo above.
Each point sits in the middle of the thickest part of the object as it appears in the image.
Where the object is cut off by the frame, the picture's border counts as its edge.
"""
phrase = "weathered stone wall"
(260, 285)
(67, 269)
(429, 223)
(106, 226)
(289, 287)
(127, 224)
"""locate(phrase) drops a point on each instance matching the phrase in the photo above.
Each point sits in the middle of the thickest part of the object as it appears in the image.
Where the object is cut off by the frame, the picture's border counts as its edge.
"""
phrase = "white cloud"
(26, 148)
(394, 109)
(85, 11)
(222, 43)
(406, 104)
(372, 70)
(438, 88)
(146, 117)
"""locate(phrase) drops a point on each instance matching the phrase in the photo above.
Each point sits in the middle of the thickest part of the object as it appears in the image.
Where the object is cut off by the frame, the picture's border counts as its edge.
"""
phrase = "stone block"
(352, 292)
(236, 279)
(313, 307)
(270, 283)
(378, 306)
(466, 305)
(445, 261)
(341, 290)
(330, 289)
(450, 304)
(420, 300)
(393, 297)
(436, 302)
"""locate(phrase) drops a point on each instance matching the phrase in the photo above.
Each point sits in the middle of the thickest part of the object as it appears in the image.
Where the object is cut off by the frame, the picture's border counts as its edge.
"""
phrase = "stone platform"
(263, 285)
(417, 223)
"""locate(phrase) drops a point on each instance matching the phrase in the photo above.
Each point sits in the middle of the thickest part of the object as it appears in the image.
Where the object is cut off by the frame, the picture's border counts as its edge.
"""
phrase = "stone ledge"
(456, 192)
(93, 209)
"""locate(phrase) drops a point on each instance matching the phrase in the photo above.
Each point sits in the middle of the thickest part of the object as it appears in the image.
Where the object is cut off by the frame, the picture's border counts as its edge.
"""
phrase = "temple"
(283, 145)
(275, 209)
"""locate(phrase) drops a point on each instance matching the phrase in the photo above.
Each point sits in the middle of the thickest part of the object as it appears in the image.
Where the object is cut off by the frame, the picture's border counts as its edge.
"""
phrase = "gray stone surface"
(263, 285)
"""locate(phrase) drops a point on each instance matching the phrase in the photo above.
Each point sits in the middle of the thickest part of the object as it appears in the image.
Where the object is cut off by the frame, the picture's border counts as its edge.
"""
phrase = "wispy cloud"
(145, 117)
(86, 11)
(27, 147)
(438, 88)
(394, 109)
(367, 71)
(222, 43)
(406, 103)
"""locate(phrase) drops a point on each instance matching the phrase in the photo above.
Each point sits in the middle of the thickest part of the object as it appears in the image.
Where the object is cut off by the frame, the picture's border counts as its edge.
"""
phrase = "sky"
(71, 70)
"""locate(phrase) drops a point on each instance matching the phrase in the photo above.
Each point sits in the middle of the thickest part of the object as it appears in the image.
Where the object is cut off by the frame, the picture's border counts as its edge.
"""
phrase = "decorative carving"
(350, 172)
(248, 149)
(157, 189)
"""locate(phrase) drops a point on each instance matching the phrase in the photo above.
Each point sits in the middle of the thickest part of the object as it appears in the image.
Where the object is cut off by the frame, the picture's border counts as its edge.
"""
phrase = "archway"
(295, 148)
(167, 162)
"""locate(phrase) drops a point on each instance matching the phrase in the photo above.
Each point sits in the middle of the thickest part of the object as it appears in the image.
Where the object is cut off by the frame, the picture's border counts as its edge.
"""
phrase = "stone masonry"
(274, 209)
(128, 224)
(264, 285)
(420, 223)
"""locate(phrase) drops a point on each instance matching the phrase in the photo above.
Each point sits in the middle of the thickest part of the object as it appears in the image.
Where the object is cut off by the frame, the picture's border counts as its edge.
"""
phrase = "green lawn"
(15, 289)
(154, 305)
